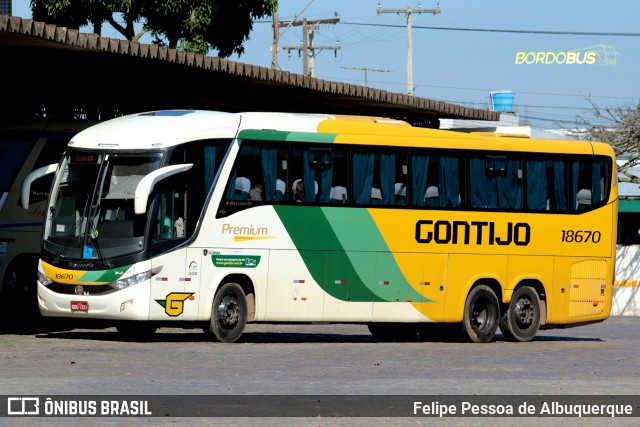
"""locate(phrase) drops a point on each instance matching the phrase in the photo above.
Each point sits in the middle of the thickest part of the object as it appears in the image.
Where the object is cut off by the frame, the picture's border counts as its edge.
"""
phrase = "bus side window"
(170, 220)
(379, 176)
(495, 181)
(589, 178)
(436, 178)
(259, 174)
(319, 174)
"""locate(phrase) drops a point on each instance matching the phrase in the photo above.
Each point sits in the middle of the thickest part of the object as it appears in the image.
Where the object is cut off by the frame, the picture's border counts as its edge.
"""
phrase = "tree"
(195, 26)
(621, 130)
(78, 13)
(223, 25)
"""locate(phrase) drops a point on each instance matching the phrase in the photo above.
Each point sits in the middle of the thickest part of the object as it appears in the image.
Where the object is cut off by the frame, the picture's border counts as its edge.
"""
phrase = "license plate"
(80, 306)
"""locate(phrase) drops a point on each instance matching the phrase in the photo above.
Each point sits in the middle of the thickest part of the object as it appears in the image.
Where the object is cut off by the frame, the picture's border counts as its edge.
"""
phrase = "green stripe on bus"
(346, 275)
(106, 276)
(273, 135)
(342, 221)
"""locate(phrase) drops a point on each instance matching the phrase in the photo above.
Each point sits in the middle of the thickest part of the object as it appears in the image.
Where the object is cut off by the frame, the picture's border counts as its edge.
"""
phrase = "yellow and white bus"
(217, 219)
(25, 153)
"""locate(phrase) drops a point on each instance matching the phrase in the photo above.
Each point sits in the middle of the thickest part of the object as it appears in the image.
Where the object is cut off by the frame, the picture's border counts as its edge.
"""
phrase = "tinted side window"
(390, 176)
(590, 181)
(13, 152)
(547, 186)
(259, 174)
(437, 178)
(319, 174)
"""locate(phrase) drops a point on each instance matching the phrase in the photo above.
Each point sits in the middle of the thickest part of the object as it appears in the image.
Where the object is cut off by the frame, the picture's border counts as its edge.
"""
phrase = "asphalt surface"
(332, 359)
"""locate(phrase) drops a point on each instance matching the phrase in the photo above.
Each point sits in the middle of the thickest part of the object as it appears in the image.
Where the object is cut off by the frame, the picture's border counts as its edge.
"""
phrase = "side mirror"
(146, 184)
(28, 180)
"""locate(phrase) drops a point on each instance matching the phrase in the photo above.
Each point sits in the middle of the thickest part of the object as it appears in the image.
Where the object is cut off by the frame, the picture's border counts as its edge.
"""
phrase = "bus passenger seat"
(338, 194)
(432, 196)
(243, 186)
(583, 199)
(376, 196)
(401, 194)
(281, 189)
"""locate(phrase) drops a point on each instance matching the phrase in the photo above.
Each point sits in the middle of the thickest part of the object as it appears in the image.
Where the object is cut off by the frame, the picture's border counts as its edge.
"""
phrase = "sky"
(468, 50)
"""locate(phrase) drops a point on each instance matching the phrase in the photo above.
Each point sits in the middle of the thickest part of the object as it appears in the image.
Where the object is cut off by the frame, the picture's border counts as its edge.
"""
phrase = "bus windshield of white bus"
(91, 213)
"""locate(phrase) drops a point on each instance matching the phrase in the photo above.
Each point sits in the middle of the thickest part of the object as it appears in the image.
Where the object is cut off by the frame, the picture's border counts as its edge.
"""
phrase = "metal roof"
(68, 73)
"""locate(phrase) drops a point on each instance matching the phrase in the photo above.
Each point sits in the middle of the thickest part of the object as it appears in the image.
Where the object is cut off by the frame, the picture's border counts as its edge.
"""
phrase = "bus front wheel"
(228, 313)
(481, 314)
(520, 322)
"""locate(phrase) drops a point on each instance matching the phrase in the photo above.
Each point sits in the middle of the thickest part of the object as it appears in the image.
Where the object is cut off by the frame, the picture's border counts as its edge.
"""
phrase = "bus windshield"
(91, 212)
(13, 154)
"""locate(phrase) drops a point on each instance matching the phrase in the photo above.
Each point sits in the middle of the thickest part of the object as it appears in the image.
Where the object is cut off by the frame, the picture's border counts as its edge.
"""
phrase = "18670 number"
(581, 236)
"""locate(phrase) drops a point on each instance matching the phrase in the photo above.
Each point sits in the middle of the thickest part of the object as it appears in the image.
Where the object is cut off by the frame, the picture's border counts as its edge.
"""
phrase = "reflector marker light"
(184, 279)
(161, 279)
(425, 283)
(341, 282)
(383, 282)
(298, 281)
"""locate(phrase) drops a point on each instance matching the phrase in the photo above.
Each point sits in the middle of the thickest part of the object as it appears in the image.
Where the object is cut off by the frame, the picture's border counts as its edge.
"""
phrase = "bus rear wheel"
(393, 332)
(520, 322)
(228, 313)
(481, 314)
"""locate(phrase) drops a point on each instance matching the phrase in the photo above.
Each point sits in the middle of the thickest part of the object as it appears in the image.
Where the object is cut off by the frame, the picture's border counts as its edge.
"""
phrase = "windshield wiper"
(94, 235)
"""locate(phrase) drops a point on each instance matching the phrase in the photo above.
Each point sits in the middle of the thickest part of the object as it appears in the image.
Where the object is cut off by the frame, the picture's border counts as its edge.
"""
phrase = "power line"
(489, 30)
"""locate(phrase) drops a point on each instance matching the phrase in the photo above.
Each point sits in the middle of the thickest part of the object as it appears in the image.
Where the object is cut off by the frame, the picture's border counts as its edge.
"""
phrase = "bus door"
(173, 288)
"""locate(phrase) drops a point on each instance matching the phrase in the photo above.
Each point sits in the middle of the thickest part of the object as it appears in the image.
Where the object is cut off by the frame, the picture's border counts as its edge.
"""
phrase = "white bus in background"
(626, 298)
(25, 153)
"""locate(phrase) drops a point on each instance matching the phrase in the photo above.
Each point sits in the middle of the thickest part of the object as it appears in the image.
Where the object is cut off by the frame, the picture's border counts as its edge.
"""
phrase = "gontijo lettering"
(483, 232)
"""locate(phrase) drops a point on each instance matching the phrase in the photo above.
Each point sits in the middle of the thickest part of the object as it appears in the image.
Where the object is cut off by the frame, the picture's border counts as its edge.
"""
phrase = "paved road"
(324, 359)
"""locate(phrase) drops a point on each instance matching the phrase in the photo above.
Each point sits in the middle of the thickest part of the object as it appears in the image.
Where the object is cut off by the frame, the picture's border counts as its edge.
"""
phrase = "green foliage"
(195, 26)
(210, 24)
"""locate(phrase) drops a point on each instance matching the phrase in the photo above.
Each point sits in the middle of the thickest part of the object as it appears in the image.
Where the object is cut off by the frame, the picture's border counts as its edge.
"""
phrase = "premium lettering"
(473, 233)
(244, 231)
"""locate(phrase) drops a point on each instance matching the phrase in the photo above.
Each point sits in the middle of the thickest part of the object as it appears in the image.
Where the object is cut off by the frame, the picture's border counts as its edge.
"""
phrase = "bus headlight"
(135, 279)
(43, 279)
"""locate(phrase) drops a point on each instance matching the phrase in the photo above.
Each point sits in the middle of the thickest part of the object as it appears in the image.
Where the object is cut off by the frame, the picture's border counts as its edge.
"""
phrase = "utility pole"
(308, 48)
(365, 69)
(276, 38)
(277, 33)
(408, 11)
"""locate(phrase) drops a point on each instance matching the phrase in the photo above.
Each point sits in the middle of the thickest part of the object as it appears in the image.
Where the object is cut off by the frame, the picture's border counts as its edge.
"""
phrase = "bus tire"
(393, 332)
(136, 330)
(481, 314)
(228, 313)
(521, 320)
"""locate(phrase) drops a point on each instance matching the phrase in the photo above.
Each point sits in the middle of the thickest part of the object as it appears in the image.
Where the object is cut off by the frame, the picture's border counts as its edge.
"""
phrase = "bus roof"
(165, 128)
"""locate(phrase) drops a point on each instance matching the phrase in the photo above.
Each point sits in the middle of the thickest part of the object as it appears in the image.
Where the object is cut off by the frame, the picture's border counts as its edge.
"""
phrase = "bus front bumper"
(131, 303)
